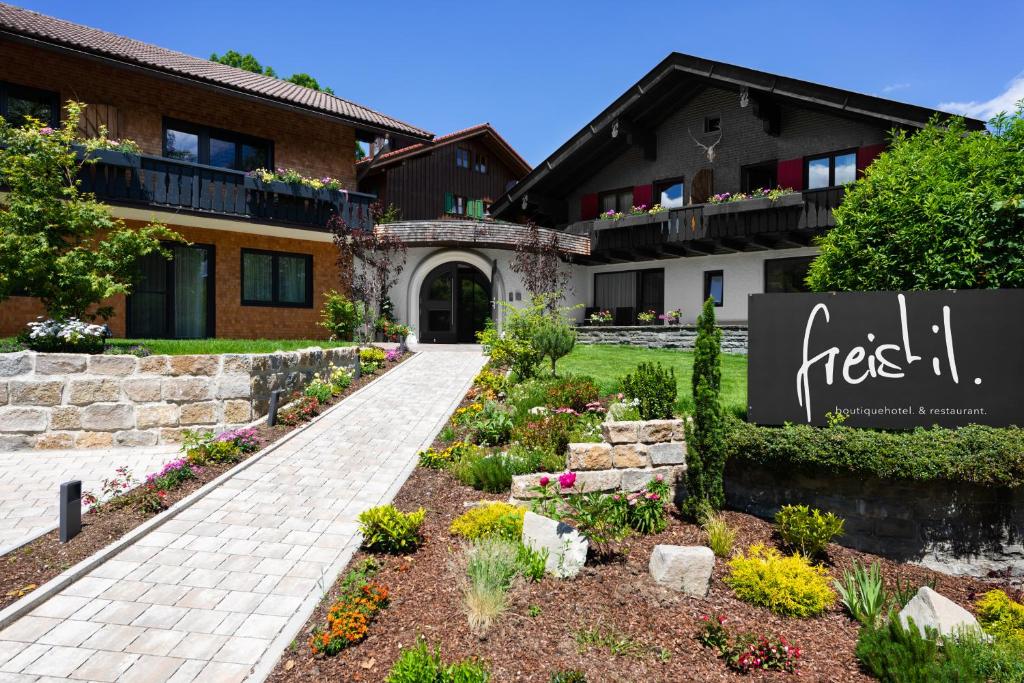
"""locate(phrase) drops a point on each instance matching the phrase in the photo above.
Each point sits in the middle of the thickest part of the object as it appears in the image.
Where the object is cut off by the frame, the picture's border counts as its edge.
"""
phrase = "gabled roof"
(676, 79)
(483, 130)
(24, 24)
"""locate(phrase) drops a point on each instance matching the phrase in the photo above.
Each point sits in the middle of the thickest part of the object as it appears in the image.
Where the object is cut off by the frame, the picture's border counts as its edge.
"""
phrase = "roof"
(25, 24)
(677, 78)
(454, 232)
(480, 130)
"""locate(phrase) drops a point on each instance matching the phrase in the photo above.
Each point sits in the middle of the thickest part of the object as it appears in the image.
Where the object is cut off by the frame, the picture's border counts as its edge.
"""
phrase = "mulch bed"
(30, 566)
(617, 597)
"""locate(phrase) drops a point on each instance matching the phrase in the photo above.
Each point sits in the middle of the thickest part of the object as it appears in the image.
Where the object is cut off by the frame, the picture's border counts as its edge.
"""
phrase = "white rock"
(567, 548)
(929, 609)
(683, 568)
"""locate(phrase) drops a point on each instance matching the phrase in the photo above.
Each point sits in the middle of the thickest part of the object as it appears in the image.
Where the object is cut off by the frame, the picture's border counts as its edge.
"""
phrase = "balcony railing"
(701, 227)
(143, 180)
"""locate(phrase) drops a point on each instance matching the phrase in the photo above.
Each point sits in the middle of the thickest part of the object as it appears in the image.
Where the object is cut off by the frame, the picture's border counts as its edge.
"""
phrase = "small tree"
(553, 339)
(538, 261)
(370, 262)
(57, 243)
(705, 459)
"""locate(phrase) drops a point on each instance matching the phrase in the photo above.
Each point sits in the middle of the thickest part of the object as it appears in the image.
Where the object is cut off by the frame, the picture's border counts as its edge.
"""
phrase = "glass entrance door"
(455, 303)
(173, 299)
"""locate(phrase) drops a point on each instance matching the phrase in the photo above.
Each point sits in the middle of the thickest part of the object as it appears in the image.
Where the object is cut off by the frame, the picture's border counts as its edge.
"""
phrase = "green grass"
(608, 363)
(184, 347)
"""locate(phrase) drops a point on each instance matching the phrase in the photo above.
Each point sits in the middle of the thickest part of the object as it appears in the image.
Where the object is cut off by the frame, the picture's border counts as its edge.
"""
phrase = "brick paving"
(30, 480)
(216, 593)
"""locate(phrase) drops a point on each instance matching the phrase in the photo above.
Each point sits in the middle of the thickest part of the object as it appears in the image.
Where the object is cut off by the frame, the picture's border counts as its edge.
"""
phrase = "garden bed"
(188, 347)
(35, 563)
(554, 624)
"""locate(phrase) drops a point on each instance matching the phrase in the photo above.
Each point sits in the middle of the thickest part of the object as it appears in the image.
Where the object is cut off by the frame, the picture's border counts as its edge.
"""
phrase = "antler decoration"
(709, 150)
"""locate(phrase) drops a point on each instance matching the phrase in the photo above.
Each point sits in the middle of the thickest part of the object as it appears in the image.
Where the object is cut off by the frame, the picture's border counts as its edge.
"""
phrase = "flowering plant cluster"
(69, 334)
(246, 439)
(746, 653)
(638, 210)
(349, 619)
(301, 409)
(172, 475)
(656, 209)
(646, 317)
(467, 413)
(645, 510)
(672, 317)
(113, 488)
(610, 215)
(102, 142)
(392, 355)
(293, 177)
(598, 516)
(442, 459)
(601, 317)
(391, 329)
(759, 193)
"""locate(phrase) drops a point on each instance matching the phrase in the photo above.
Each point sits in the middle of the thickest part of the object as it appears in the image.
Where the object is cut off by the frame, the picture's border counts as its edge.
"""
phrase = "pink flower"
(544, 481)
(46, 131)
(567, 480)
(660, 477)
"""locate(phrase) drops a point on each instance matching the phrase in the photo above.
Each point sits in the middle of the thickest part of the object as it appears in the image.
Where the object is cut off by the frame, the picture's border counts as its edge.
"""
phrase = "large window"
(786, 274)
(17, 103)
(671, 194)
(480, 165)
(271, 278)
(213, 147)
(627, 293)
(757, 176)
(462, 157)
(455, 204)
(714, 286)
(830, 170)
(616, 200)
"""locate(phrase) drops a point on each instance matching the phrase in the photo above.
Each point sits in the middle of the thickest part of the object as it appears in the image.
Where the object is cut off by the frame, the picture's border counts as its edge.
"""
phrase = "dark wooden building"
(459, 174)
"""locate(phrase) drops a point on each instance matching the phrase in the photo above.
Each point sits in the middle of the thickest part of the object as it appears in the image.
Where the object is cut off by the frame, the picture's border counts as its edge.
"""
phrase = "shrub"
(349, 618)
(553, 338)
(863, 593)
(490, 382)
(975, 454)
(371, 359)
(490, 520)
(339, 379)
(1002, 617)
(705, 459)
(492, 425)
(385, 529)
(531, 563)
(319, 389)
(788, 586)
(528, 398)
(721, 536)
(645, 509)
(548, 433)
(805, 530)
(340, 316)
(420, 664)
(172, 475)
(578, 393)
(603, 518)
(203, 448)
(653, 388)
(69, 335)
(443, 459)
(491, 564)
(513, 347)
(300, 409)
(491, 473)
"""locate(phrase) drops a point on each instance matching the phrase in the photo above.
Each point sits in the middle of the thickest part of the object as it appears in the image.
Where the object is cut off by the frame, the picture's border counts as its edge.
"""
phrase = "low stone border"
(52, 587)
(734, 337)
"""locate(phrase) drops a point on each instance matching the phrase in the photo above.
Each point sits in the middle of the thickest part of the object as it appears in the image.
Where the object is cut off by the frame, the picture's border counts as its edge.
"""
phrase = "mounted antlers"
(709, 150)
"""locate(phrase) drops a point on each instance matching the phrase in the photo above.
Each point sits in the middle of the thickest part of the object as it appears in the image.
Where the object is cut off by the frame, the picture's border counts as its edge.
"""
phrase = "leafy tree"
(370, 262)
(553, 339)
(58, 243)
(250, 63)
(941, 209)
(705, 459)
(538, 261)
(307, 81)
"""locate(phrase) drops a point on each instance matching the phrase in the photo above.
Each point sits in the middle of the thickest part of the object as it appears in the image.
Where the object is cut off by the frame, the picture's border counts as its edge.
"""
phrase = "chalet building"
(260, 257)
(689, 130)
(456, 175)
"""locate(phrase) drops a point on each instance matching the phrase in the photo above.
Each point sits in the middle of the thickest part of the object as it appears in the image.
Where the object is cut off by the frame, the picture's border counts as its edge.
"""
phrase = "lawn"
(608, 363)
(184, 347)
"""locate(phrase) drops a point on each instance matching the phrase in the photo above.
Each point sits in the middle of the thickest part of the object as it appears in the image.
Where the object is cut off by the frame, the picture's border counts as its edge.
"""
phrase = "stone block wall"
(734, 337)
(631, 455)
(57, 400)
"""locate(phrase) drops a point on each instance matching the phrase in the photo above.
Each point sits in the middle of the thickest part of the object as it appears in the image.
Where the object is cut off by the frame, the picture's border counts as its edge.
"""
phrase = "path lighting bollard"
(357, 372)
(70, 510)
(275, 397)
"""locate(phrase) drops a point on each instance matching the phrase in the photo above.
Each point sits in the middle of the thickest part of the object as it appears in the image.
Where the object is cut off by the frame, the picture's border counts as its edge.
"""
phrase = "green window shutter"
(478, 208)
(472, 209)
(447, 202)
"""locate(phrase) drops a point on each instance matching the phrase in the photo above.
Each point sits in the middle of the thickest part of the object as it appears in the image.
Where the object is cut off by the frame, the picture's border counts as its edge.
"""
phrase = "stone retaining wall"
(951, 527)
(734, 337)
(631, 455)
(59, 400)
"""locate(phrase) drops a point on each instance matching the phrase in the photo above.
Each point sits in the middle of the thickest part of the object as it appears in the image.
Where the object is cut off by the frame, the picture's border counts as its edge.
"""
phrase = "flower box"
(112, 157)
(759, 204)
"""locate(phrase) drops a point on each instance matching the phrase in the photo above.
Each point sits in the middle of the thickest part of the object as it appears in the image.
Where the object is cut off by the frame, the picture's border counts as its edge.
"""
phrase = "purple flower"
(46, 131)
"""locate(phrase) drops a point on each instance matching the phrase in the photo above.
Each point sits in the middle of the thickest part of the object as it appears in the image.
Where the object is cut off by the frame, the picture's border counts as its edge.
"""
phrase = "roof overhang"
(477, 233)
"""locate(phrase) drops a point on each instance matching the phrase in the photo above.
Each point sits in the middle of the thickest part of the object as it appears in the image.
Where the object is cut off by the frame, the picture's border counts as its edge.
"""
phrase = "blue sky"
(539, 71)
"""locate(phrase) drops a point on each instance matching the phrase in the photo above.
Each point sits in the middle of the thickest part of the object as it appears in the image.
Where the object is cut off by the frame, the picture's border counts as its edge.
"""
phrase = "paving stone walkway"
(30, 480)
(218, 591)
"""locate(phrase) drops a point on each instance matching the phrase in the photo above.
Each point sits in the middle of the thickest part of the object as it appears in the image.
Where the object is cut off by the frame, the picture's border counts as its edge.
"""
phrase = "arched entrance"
(455, 302)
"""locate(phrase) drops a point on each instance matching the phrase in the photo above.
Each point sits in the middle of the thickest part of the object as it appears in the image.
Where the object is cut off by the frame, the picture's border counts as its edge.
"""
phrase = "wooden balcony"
(703, 229)
(180, 186)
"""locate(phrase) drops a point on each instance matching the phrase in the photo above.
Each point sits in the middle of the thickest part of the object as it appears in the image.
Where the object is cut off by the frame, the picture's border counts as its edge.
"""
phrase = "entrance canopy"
(476, 233)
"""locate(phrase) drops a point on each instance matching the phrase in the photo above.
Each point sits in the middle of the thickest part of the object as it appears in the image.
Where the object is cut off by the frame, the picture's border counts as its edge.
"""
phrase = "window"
(830, 170)
(455, 204)
(712, 124)
(224, 149)
(757, 176)
(17, 103)
(461, 157)
(271, 278)
(671, 194)
(714, 286)
(786, 274)
(626, 293)
(616, 200)
(480, 165)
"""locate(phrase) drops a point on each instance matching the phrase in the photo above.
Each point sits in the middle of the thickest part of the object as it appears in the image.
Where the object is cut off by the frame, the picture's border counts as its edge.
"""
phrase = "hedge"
(987, 456)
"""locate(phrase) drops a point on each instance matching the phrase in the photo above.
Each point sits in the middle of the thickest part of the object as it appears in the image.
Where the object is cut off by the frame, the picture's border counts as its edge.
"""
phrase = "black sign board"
(887, 359)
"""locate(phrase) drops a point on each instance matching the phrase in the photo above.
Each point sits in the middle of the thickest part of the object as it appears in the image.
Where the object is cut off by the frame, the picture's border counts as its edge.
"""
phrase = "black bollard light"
(275, 397)
(357, 371)
(70, 510)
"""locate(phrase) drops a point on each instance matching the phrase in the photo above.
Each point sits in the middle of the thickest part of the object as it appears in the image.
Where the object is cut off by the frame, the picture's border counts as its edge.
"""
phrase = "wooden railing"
(153, 181)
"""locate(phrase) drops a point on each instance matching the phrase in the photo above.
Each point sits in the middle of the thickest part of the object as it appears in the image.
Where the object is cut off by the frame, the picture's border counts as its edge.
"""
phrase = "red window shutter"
(643, 195)
(867, 154)
(790, 173)
(588, 207)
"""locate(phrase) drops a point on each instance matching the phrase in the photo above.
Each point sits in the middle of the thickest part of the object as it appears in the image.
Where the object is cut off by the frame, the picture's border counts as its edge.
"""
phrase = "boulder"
(683, 568)
(567, 548)
(929, 609)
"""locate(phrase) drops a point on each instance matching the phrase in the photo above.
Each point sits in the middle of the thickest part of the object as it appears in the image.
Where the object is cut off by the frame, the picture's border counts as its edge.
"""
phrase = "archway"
(454, 303)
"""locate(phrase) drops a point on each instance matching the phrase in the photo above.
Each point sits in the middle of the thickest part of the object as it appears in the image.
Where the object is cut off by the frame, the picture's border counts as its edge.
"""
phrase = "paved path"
(29, 482)
(218, 591)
